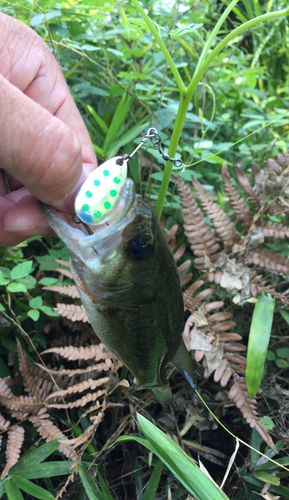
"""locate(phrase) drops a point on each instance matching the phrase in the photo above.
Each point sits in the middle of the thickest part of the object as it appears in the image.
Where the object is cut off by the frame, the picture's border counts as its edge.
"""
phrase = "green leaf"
(4, 280)
(21, 270)
(283, 352)
(258, 341)
(105, 491)
(41, 18)
(270, 355)
(12, 490)
(282, 363)
(189, 28)
(2, 308)
(32, 489)
(152, 486)
(132, 75)
(267, 478)
(267, 422)
(92, 490)
(117, 121)
(285, 315)
(36, 303)
(33, 314)
(48, 281)
(35, 456)
(49, 311)
(98, 120)
(15, 287)
(127, 138)
(47, 469)
(182, 466)
(2, 487)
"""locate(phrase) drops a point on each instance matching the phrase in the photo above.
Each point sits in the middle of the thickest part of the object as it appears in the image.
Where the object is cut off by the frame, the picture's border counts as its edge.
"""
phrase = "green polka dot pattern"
(95, 202)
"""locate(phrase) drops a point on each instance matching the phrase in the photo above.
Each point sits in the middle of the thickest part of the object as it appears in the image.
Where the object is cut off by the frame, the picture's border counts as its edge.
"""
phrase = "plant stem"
(154, 31)
(249, 24)
(186, 93)
(180, 118)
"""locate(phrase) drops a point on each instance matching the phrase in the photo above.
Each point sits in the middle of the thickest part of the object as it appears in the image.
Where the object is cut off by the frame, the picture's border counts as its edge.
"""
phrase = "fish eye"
(139, 248)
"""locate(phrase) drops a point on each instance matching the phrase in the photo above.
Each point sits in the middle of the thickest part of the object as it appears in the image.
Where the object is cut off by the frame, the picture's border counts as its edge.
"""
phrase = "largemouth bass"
(129, 284)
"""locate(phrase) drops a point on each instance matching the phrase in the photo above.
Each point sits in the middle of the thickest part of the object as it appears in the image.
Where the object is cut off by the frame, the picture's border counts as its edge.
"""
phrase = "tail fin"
(183, 362)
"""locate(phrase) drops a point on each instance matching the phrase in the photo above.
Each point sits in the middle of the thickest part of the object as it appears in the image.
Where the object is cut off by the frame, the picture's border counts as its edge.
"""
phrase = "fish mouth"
(104, 240)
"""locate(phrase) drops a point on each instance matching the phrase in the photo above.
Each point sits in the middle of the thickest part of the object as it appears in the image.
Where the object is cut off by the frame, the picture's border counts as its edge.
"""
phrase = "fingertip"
(26, 219)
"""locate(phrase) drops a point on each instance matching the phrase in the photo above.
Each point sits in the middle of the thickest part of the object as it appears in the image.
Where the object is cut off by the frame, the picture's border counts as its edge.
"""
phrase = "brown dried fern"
(14, 444)
(224, 228)
(209, 336)
(202, 239)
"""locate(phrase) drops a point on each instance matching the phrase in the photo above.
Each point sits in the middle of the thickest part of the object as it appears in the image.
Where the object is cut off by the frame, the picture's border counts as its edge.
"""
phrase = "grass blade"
(151, 489)
(33, 489)
(92, 490)
(12, 490)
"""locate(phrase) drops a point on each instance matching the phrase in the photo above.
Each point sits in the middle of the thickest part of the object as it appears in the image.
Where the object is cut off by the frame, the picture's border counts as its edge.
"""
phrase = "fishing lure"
(126, 275)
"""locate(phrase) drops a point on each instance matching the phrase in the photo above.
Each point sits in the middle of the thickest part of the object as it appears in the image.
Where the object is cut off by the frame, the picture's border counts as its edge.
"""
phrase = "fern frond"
(64, 263)
(238, 204)
(78, 371)
(72, 311)
(64, 272)
(24, 367)
(202, 239)
(4, 424)
(14, 444)
(80, 402)
(239, 394)
(271, 166)
(73, 353)
(83, 386)
(247, 188)
(269, 259)
(49, 431)
(275, 230)
(30, 404)
(69, 290)
(223, 225)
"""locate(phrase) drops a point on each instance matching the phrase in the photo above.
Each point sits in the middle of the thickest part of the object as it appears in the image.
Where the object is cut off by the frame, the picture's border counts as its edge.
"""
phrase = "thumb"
(38, 149)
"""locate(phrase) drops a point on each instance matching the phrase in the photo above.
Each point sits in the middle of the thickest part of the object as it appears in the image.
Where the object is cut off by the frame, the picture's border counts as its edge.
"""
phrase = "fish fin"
(183, 362)
(115, 324)
(163, 394)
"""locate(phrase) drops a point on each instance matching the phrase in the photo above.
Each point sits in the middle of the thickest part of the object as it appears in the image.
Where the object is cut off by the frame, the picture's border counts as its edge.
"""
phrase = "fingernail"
(19, 229)
(69, 200)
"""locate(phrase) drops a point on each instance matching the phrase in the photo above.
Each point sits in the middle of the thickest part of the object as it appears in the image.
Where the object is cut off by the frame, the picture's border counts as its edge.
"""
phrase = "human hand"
(45, 149)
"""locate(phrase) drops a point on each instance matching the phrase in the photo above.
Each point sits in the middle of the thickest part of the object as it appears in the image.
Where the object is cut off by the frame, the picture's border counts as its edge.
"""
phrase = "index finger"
(28, 64)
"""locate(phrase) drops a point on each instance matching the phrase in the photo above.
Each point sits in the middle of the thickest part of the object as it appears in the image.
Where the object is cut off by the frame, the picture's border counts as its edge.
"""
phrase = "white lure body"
(98, 197)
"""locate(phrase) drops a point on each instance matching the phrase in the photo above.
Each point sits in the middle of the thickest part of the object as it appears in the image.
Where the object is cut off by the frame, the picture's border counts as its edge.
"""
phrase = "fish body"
(129, 284)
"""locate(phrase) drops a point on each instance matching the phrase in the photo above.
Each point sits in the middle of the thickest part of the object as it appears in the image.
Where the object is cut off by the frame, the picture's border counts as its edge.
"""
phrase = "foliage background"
(120, 81)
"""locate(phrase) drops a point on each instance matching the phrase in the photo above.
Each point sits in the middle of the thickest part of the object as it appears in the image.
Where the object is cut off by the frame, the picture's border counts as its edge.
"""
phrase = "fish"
(130, 287)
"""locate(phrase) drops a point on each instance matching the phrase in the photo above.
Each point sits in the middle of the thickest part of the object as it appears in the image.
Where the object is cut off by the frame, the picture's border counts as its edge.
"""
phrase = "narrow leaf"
(182, 466)
(105, 491)
(12, 490)
(151, 489)
(32, 489)
(35, 456)
(98, 120)
(258, 342)
(47, 469)
(92, 490)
